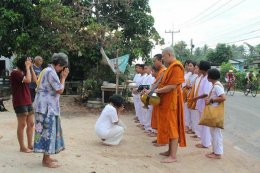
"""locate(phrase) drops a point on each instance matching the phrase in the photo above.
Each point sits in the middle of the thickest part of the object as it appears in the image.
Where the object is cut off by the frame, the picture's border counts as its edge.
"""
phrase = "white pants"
(137, 105)
(217, 140)
(195, 116)
(115, 134)
(187, 116)
(205, 135)
(147, 117)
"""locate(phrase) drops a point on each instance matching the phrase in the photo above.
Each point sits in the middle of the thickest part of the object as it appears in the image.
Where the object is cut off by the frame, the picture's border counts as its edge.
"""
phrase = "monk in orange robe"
(171, 117)
(158, 63)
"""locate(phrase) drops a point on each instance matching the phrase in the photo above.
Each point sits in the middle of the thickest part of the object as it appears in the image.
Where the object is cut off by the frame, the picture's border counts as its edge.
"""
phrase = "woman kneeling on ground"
(108, 126)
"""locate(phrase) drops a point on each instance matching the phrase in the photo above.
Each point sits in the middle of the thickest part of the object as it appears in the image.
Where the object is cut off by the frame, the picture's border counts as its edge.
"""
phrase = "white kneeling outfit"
(106, 129)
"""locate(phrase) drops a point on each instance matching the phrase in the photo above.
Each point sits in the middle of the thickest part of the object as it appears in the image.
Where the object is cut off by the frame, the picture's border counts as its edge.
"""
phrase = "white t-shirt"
(139, 79)
(205, 88)
(106, 121)
(192, 79)
(186, 77)
(136, 76)
(148, 80)
(217, 90)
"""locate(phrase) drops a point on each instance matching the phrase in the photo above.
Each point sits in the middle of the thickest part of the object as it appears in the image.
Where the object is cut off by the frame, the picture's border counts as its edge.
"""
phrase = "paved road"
(242, 123)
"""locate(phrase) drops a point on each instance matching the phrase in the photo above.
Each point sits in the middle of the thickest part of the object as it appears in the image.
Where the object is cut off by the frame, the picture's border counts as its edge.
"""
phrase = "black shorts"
(23, 110)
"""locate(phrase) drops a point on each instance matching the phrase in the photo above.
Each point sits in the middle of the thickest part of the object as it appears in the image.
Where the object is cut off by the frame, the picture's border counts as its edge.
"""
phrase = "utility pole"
(172, 32)
(191, 47)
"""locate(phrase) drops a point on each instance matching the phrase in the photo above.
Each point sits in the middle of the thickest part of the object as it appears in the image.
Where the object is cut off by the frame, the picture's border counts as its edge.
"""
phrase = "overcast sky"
(208, 21)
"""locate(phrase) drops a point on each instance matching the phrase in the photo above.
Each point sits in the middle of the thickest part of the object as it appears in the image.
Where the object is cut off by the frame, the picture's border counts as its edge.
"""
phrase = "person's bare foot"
(152, 135)
(169, 159)
(30, 147)
(53, 160)
(190, 132)
(25, 150)
(158, 145)
(154, 141)
(213, 156)
(50, 164)
(194, 136)
(139, 125)
(166, 153)
(200, 146)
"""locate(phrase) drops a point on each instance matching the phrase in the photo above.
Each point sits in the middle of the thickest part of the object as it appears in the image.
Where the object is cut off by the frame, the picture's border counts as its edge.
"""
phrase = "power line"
(201, 13)
(220, 7)
(244, 39)
(224, 35)
(222, 12)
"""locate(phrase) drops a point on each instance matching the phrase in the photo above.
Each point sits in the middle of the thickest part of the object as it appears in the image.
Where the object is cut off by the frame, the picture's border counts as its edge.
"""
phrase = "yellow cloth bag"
(213, 116)
(40, 78)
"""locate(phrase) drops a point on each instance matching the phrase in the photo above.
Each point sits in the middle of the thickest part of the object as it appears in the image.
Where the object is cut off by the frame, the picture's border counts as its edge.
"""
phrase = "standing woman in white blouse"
(108, 126)
(217, 96)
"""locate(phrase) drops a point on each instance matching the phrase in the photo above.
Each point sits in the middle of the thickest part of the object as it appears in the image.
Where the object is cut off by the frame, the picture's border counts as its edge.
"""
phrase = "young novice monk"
(108, 126)
(216, 96)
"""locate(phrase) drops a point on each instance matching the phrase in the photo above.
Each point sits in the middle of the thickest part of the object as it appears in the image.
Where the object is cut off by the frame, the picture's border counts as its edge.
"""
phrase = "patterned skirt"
(48, 137)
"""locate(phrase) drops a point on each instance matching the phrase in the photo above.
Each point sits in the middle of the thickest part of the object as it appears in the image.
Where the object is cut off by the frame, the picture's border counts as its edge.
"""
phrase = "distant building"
(255, 64)
(237, 63)
(6, 64)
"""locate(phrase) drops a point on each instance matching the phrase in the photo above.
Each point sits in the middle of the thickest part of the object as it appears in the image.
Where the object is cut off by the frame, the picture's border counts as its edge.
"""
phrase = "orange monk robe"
(171, 116)
(156, 107)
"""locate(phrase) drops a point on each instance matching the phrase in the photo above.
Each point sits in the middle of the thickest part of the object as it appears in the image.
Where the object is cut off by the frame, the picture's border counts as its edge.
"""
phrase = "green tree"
(181, 51)
(17, 18)
(238, 51)
(221, 54)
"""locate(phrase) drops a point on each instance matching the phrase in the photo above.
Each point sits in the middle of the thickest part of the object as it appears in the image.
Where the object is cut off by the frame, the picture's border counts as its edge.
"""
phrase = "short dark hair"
(154, 68)
(187, 62)
(137, 65)
(141, 65)
(204, 65)
(214, 74)
(194, 63)
(158, 57)
(21, 63)
(117, 100)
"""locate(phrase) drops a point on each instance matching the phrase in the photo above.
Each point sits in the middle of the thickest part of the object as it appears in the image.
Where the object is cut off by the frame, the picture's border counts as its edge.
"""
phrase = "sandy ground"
(85, 153)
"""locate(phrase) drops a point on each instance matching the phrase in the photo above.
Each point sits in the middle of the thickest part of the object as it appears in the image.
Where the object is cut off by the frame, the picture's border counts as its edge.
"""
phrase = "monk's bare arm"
(165, 89)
